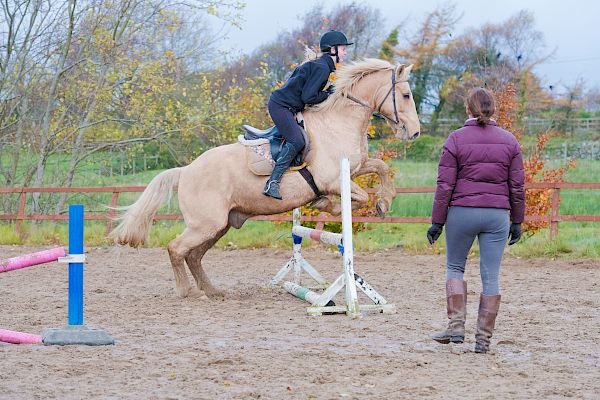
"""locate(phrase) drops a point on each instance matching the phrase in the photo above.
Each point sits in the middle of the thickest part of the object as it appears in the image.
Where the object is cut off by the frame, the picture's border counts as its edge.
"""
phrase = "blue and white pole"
(75, 332)
(75, 308)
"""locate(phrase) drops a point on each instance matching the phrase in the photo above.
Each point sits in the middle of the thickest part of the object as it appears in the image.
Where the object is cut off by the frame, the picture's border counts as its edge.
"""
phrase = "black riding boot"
(284, 160)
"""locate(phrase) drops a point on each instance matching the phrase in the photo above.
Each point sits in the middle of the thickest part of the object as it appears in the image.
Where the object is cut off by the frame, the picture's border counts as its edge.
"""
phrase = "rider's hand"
(434, 232)
(514, 233)
(330, 89)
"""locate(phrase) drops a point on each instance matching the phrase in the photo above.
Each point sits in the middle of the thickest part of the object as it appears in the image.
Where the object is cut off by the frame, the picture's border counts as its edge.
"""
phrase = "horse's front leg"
(359, 196)
(328, 203)
(331, 202)
(387, 191)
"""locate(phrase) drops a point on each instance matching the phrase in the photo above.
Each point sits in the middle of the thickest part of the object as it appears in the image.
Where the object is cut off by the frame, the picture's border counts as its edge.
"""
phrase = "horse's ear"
(402, 72)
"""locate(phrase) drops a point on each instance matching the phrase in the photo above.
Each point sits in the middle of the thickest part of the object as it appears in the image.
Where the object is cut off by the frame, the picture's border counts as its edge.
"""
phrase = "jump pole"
(297, 262)
(322, 303)
(348, 249)
(75, 332)
(29, 260)
(15, 337)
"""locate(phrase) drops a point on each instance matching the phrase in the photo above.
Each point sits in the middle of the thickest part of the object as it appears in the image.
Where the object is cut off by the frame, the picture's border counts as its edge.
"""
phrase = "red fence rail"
(553, 218)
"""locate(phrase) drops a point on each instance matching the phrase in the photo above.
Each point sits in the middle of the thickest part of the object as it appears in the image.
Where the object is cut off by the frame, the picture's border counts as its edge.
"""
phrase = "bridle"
(377, 111)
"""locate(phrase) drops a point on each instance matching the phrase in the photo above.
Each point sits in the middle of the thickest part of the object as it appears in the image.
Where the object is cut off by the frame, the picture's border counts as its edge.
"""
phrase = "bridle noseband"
(377, 111)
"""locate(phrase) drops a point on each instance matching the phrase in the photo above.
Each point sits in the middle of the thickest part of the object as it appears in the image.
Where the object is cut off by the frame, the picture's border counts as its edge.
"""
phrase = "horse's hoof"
(216, 294)
(382, 208)
(320, 203)
(182, 293)
(196, 293)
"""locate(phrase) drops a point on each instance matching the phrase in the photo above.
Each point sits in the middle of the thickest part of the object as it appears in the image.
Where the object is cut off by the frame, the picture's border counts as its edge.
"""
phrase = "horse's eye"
(407, 96)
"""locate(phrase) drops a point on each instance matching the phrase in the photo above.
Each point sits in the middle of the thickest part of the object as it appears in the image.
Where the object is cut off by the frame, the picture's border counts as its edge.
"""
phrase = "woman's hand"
(514, 233)
(434, 232)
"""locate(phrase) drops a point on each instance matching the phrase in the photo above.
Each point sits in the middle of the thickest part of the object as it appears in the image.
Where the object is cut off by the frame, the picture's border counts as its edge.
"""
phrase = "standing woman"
(480, 186)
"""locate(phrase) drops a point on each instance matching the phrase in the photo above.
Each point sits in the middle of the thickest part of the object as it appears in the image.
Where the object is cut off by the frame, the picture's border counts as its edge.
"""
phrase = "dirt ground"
(260, 344)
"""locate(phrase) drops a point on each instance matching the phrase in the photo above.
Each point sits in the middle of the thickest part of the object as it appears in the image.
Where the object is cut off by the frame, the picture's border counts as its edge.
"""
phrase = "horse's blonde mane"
(348, 76)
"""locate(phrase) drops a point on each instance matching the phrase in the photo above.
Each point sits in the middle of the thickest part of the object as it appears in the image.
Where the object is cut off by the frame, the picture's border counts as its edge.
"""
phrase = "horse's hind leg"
(194, 262)
(179, 249)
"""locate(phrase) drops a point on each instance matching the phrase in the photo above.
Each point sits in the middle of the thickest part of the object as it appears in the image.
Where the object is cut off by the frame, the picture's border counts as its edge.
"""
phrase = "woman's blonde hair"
(481, 104)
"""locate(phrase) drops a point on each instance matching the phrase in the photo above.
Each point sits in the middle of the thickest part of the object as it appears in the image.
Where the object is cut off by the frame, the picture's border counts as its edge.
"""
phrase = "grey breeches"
(490, 226)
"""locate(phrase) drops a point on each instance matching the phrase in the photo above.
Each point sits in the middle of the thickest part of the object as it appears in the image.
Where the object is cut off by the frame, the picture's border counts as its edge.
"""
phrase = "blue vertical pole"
(75, 269)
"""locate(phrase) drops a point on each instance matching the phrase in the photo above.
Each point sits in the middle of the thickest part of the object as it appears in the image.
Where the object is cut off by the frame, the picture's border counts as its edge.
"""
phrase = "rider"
(305, 86)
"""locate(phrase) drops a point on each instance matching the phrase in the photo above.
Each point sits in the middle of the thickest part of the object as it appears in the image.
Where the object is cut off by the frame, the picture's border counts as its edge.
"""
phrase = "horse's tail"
(136, 221)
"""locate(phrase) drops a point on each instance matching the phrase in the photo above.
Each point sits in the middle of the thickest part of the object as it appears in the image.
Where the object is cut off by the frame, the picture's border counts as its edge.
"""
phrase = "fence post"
(555, 212)
(21, 213)
(113, 203)
(122, 161)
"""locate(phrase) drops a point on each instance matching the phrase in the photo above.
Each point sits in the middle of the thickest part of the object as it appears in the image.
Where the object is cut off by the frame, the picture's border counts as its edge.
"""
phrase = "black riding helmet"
(333, 39)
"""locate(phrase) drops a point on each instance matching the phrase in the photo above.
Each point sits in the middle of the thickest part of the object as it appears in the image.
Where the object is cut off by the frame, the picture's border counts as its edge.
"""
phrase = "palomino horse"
(217, 190)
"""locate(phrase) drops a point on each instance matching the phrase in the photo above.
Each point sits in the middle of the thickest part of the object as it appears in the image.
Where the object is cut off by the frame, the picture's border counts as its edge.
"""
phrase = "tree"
(591, 99)
(389, 43)
(80, 76)
(426, 49)
(538, 202)
(571, 99)
(360, 22)
(490, 56)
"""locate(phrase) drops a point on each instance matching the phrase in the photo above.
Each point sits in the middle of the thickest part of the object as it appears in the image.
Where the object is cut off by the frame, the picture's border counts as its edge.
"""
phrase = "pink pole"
(29, 260)
(19, 337)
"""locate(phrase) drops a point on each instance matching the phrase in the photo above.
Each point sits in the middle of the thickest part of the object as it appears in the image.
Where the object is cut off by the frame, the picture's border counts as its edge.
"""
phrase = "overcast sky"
(570, 27)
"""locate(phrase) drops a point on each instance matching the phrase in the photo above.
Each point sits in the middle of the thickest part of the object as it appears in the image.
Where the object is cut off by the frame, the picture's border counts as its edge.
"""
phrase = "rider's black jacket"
(306, 84)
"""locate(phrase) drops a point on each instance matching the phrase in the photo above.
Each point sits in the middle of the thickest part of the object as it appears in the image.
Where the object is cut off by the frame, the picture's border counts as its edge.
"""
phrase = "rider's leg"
(294, 142)
(286, 155)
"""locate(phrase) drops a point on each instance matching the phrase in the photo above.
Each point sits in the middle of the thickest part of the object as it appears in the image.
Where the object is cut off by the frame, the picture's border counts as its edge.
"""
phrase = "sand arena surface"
(260, 344)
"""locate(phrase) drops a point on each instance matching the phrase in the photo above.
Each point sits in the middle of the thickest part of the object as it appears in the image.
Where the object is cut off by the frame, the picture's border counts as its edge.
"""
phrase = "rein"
(377, 111)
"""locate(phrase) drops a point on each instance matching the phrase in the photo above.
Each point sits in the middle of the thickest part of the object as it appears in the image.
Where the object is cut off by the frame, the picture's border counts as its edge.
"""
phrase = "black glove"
(514, 233)
(330, 89)
(434, 232)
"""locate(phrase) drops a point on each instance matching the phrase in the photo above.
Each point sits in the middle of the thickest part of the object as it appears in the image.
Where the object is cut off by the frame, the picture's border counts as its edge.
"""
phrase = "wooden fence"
(553, 218)
(532, 125)
(573, 124)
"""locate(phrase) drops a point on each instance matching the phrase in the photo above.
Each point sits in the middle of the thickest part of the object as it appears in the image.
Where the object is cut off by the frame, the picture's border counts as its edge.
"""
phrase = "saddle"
(263, 147)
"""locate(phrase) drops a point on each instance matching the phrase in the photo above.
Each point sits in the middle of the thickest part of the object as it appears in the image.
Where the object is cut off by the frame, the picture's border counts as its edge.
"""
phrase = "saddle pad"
(258, 156)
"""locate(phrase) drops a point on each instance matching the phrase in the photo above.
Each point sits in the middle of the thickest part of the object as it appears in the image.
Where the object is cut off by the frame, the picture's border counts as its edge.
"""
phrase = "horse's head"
(394, 102)
(381, 88)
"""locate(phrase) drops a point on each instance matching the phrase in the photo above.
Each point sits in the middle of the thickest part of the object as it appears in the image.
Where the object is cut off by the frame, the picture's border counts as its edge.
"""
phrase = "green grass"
(575, 240)
(413, 173)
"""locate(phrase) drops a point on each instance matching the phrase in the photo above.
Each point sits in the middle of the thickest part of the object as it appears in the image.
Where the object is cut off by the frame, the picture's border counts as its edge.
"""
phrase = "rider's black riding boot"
(284, 160)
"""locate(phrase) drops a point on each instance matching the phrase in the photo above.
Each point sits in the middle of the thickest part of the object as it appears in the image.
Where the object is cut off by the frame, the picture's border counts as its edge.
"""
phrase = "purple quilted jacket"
(480, 167)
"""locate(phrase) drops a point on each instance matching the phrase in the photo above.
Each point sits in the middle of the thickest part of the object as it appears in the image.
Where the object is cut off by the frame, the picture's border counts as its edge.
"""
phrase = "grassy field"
(575, 239)
(573, 201)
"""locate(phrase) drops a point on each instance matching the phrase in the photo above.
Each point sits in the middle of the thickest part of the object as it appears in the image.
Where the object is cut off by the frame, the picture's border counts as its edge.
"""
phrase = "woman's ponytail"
(481, 105)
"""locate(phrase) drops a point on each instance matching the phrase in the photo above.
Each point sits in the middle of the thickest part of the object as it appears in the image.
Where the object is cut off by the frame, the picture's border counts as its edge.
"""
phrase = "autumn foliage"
(538, 201)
